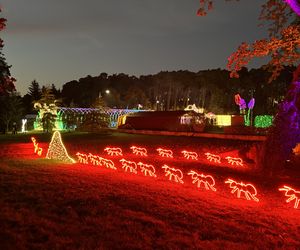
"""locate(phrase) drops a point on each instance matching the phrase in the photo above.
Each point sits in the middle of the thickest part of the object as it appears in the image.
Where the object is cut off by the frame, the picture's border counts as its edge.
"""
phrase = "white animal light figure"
(207, 180)
(147, 169)
(173, 173)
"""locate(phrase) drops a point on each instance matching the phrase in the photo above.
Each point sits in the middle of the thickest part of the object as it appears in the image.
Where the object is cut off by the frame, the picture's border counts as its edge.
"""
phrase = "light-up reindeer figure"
(37, 150)
(213, 157)
(292, 193)
(131, 165)
(173, 173)
(165, 152)
(248, 189)
(107, 163)
(94, 159)
(207, 180)
(82, 158)
(147, 169)
(233, 160)
(189, 154)
(113, 151)
(139, 151)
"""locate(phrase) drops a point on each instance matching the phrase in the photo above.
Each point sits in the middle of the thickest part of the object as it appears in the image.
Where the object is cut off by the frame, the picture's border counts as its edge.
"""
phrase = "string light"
(248, 189)
(95, 160)
(139, 151)
(188, 155)
(292, 193)
(263, 121)
(107, 163)
(37, 149)
(173, 173)
(147, 169)
(165, 152)
(113, 151)
(233, 160)
(23, 129)
(207, 180)
(57, 150)
(82, 158)
(213, 157)
(131, 165)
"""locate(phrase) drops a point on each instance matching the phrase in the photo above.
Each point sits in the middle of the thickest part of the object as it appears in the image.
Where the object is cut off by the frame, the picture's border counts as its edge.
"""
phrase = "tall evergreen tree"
(34, 91)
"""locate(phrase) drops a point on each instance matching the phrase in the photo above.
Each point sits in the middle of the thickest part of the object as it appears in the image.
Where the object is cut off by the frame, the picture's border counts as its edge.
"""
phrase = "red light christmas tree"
(57, 150)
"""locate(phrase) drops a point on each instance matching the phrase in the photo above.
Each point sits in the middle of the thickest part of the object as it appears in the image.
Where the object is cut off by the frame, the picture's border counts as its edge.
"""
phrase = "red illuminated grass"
(45, 204)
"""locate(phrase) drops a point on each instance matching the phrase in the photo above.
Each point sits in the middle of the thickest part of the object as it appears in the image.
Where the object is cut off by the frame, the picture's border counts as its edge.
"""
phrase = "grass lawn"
(47, 204)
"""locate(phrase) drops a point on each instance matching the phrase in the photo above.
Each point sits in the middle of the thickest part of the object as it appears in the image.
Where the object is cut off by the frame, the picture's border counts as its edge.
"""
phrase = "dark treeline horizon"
(211, 89)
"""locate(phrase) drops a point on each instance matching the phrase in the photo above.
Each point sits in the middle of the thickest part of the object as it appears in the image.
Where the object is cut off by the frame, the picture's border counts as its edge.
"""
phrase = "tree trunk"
(284, 134)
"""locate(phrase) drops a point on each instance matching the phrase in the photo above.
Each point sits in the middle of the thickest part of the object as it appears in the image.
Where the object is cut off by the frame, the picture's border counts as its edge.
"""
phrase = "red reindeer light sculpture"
(82, 158)
(37, 149)
(213, 157)
(113, 151)
(131, 165)
(139, 151)
(248, 189)
(94, 159)
(165, 152)
(173, 173)
(207, 180)
(292, 193)
(147, 169)
(188, 155)
(106, 163)
(233, 160)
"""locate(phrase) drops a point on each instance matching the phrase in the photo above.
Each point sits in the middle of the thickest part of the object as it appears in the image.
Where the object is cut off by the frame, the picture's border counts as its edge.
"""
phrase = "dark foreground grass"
(49, 205)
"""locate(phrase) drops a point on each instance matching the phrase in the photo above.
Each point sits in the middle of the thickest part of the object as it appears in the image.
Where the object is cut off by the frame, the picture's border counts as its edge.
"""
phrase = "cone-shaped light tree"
(57, 150)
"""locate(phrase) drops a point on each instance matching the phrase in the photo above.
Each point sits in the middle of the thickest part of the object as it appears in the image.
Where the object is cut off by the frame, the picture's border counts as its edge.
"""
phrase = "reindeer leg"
(291, 198)
(247, 196)
(206, 186)
(239, 193)
(212, 187)
(194, 181)
(234, 190)
(296, 203)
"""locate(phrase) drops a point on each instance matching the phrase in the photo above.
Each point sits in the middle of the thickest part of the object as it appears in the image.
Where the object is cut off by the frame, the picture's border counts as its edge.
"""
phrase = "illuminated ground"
(45, 204)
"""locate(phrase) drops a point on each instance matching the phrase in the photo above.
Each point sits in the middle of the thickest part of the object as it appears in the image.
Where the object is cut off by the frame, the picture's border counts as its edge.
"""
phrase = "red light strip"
(139, 151)
(173, 173)
(189, 154)
(233, 160)
(147, 169)
(37, 149)
(292, 193)
(213, 157)
(113, 151)
(207, 180)
(165, 152)
(131, 165)
(248, 189)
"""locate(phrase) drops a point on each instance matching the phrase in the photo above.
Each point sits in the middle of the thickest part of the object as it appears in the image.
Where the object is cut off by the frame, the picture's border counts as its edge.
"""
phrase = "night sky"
(62, 40)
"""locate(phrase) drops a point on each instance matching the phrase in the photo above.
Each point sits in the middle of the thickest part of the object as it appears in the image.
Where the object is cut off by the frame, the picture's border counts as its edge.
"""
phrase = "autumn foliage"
(282, 46)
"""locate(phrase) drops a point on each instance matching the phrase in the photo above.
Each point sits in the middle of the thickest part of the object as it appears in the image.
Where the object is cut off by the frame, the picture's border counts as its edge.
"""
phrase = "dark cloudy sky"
(56, 41)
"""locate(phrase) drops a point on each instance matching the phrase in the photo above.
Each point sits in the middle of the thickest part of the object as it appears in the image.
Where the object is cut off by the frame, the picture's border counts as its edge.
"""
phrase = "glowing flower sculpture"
(57, 150)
